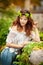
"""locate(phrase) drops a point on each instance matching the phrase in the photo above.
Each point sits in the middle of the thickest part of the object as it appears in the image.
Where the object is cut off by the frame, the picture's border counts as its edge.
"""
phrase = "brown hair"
(29, 24)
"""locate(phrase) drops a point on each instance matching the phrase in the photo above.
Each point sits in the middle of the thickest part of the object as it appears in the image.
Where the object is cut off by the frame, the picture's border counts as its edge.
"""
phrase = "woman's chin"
(22, 25)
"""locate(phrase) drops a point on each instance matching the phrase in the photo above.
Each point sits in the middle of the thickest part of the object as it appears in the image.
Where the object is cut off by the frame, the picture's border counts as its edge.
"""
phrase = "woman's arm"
(14, 45)
(17, 45)
(37, 38)
(36, 34)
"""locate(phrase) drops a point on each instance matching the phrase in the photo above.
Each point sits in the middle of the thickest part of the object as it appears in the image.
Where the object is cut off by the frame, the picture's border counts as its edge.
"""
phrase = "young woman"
(22, 31)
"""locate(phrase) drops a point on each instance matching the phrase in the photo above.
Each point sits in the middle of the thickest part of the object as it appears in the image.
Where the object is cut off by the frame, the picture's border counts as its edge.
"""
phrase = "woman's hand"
(25, 43)
(11, 45)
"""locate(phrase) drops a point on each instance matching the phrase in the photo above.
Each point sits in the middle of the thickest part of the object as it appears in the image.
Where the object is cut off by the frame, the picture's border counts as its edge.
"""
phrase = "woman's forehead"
(23, 16)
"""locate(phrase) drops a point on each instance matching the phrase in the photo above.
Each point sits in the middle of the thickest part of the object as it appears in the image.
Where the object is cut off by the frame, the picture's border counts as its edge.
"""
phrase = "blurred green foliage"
(41, 35)
(7, 17)
(23, 58)
(4, 26)
(41, 63)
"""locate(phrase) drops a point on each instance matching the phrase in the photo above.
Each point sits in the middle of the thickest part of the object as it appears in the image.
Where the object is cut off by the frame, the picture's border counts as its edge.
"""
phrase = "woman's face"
(23, 20)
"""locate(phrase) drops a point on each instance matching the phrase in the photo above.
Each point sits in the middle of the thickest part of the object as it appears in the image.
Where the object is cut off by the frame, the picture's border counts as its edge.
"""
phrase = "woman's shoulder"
(13, 28)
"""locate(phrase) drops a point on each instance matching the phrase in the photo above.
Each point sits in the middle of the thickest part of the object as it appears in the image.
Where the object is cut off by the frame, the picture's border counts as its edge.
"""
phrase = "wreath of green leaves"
(26, 14)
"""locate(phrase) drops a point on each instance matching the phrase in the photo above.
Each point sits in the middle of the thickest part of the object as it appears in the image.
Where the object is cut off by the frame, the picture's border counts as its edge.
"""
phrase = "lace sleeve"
(10, 37)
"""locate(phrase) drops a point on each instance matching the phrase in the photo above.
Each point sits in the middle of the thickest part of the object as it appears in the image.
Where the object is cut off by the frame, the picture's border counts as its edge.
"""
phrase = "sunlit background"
(9, 7)
(8, 13)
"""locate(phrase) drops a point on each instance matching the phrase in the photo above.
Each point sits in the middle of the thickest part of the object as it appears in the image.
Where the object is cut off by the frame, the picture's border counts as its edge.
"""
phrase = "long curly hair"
(29, 24)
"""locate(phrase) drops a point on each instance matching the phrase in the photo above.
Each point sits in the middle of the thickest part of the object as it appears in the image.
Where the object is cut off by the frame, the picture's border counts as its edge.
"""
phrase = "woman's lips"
(22, 24)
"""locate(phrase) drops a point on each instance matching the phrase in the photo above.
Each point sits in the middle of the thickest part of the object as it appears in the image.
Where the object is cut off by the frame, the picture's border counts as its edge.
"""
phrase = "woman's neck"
(23, 28)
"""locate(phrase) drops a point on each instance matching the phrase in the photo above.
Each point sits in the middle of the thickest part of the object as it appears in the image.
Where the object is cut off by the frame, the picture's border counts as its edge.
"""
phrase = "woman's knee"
(4, 53)
(6, 57)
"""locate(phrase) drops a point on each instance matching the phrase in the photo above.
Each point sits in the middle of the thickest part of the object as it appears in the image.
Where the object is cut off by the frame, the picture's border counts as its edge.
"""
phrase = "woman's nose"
(22, 20)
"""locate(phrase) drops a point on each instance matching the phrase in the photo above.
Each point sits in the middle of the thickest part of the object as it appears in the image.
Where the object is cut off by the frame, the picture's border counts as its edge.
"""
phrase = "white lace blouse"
(17, 37)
